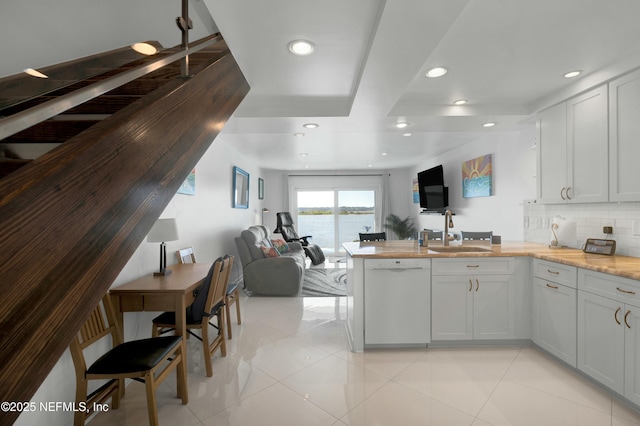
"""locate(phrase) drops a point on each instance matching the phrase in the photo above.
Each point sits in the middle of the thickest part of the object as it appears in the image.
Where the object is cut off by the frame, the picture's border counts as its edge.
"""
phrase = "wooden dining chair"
(208, 303)
(148, 360)
(374, 236)
(187, 255)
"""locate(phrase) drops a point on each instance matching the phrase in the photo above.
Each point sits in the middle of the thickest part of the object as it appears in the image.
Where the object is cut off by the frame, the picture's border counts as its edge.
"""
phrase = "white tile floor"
(289, 364)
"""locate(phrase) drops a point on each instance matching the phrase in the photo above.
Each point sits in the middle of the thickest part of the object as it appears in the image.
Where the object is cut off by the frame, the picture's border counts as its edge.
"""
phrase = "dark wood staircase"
(72, 217)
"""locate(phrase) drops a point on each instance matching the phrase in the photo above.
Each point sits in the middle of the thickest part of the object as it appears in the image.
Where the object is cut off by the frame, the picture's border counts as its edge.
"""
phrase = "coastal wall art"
(477, 180)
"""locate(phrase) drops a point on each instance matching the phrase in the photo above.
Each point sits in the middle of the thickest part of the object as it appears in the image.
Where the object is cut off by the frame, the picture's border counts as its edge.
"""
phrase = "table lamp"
(163, 230)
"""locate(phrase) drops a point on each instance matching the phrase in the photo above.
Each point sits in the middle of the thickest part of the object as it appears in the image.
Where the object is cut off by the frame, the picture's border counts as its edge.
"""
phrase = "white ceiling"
(507, 57)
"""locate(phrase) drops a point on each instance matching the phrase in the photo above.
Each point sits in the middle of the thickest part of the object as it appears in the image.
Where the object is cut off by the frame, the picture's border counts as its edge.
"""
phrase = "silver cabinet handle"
(553, 272)
(625, 319)
(477, 284)
(470, 285)
(555, 287)
(567, 193)
(561, 193)
(615, 315)
(473, 266)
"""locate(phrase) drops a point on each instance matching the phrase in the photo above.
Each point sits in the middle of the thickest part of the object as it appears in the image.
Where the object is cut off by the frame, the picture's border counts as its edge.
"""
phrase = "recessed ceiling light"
(34, 73)
(145, 48)
(370, 165)
(460, 102)
(402, 125)
(301, 47)
(298, 135)
(384, 153)
(407, 134)
(311, 125)
(489, 124)
(572, 74)
(436, 72)
(304, 154)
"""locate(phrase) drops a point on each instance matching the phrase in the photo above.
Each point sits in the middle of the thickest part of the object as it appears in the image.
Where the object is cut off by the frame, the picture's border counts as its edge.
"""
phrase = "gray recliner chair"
(281, 275)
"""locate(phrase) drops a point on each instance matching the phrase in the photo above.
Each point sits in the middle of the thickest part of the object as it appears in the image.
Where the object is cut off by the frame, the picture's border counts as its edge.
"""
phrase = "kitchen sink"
(458, 249)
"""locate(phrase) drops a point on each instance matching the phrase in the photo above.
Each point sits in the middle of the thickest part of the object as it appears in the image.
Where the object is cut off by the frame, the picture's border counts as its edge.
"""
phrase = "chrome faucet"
(447, 224)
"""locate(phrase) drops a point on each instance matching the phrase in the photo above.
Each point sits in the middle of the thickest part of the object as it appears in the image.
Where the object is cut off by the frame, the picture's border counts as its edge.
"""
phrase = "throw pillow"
(280, 245)
(269, 251)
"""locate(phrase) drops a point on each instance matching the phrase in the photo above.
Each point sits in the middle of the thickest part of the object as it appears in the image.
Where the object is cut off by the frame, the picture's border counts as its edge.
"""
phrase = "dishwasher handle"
(408, 268)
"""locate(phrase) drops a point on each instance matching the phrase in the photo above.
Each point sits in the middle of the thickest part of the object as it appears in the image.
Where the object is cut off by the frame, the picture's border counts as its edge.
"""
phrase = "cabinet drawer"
(556, 272)
(473, 265)
(621, 289)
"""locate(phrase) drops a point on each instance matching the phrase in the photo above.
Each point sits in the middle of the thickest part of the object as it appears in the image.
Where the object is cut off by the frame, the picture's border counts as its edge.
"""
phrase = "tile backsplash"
(589, 218)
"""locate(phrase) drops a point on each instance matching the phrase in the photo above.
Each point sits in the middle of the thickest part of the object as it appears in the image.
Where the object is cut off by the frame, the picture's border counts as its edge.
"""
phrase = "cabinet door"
(631, 322)
(452, 308)
(588, 148)
(601, 339)
(624, 128)
(554, 319)
(493, 307)
(552, 154)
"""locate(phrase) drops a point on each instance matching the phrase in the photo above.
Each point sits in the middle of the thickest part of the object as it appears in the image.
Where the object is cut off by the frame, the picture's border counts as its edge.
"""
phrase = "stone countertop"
(623, 266)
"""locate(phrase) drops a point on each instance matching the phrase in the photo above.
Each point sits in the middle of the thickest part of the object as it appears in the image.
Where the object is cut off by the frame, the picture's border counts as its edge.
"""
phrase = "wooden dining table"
(168, 293)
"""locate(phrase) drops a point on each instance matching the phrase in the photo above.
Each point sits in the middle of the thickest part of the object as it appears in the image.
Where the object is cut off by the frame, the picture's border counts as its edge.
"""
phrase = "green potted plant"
(403, 228)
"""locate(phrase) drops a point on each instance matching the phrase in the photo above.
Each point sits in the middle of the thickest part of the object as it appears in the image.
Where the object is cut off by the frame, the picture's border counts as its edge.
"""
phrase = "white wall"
(514, 166)
(207, 222)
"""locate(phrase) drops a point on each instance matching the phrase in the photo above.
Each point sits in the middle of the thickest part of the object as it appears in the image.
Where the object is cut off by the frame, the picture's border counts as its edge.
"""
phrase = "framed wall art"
(477, 177)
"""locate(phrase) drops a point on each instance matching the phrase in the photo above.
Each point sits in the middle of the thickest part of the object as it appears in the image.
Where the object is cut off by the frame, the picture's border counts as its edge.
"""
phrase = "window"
(335, 209)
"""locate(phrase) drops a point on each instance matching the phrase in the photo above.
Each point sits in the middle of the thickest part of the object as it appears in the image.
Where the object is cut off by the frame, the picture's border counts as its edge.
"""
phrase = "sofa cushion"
(281, 246)
(269, 251)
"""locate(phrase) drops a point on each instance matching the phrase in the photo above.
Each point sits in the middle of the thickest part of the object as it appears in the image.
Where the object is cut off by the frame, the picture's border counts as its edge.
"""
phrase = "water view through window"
(334, 217)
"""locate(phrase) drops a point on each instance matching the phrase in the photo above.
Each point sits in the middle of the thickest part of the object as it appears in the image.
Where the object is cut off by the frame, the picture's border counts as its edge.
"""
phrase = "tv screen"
(433, 194)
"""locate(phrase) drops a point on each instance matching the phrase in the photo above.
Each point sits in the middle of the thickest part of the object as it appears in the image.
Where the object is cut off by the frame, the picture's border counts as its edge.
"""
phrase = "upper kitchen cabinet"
(573, 150)
(624, 128)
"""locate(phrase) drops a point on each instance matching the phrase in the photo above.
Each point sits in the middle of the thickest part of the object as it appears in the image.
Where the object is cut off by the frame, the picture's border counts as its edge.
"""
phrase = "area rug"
(319, 282)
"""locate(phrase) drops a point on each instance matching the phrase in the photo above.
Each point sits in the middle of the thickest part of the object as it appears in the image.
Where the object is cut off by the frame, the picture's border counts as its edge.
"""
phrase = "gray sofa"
(273, 276)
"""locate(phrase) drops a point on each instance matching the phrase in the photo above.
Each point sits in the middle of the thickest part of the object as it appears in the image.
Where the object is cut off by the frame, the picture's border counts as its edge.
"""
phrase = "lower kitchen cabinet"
(555, 308)
(554, 319)
(609, 332)
(601, 340)
(468, 307)
(631, 322)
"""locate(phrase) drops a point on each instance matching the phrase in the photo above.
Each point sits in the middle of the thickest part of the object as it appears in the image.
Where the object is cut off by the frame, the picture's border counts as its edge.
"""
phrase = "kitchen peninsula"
(582, 308)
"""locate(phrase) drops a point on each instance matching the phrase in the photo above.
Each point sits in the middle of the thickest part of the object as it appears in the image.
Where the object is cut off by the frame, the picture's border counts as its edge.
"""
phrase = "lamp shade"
(163, 230)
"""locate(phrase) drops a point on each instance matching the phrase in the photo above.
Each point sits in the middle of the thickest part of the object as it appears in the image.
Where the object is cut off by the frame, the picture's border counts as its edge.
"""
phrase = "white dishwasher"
(397, 302)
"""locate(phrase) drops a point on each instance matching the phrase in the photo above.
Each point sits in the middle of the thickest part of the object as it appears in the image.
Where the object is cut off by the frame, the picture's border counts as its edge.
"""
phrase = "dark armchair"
(284, 226)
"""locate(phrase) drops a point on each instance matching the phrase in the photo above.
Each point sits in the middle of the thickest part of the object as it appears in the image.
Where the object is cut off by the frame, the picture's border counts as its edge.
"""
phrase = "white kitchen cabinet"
(554, 319)
(555, 309)
(631, 322)
(573, 150)
(470, 303)
(624, 128)
(609, 331)
(601, 340)
(451, 308)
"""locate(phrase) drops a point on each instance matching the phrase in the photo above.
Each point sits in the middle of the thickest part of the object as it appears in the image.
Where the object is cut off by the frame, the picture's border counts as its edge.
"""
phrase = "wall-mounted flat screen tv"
(434, 196)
